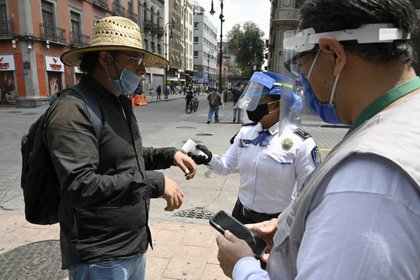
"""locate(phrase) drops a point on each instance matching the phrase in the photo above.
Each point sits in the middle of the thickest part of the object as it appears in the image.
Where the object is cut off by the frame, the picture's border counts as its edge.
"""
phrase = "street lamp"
(222, 19)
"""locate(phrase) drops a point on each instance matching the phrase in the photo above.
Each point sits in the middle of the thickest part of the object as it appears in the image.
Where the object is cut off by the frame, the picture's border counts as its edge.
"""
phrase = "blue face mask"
(127, 83)
(326, 111)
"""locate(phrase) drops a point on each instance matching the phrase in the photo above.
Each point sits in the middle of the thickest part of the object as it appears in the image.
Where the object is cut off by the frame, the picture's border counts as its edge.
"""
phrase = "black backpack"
(39, 181)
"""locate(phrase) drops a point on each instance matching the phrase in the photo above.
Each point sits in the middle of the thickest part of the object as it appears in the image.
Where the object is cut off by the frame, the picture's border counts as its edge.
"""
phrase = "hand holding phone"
(222, 221)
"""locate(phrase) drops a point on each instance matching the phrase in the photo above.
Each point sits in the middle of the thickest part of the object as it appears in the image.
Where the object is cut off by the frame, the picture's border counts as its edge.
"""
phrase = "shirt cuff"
(247, 267)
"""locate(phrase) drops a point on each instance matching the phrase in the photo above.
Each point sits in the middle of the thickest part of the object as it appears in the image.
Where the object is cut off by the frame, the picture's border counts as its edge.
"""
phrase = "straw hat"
(113, 34)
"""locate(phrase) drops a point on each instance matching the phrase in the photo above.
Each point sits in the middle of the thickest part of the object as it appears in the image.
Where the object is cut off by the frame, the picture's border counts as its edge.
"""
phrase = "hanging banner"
(7, 63)
(54, 64)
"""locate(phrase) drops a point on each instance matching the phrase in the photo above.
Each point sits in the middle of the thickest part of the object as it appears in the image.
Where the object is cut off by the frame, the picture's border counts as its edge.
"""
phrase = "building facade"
(205, 48)
(33, 35)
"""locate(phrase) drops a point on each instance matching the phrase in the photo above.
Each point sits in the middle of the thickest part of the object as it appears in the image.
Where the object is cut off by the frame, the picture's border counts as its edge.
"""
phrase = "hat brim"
(74, 57)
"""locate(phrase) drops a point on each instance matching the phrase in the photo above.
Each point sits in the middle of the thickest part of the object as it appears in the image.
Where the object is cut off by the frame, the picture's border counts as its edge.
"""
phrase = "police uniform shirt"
(268, 174)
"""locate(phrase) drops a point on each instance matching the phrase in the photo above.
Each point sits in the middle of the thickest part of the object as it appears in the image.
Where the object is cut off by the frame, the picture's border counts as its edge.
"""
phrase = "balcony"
(101, 4)
(147, 25)
(6, 29)
(286, 15)
(78, 40)
(53, 34)
(118, 10)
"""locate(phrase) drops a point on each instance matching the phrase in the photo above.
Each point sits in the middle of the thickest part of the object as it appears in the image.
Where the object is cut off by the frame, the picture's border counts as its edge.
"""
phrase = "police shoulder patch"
(316, 155)
(302, 133)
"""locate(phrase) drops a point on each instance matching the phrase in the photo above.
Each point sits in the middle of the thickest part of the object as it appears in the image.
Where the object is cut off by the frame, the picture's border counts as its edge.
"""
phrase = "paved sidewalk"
(182, 249)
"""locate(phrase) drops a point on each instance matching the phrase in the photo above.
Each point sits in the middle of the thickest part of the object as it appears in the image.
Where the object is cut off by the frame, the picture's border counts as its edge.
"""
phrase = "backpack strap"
(93, 107)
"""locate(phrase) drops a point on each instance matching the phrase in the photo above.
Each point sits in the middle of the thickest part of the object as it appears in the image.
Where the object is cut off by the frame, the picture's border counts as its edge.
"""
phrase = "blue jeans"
(215, 110)
(124, 269)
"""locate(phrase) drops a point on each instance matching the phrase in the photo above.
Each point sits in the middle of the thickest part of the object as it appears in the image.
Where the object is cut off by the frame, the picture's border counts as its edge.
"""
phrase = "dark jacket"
(105, 187)
(214, 98)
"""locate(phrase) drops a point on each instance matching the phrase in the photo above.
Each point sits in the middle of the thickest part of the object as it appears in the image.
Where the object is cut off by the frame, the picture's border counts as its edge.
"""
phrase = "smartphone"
(222, 221)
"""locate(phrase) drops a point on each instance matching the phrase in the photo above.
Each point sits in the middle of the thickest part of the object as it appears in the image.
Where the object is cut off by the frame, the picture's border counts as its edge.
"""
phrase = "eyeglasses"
(137, 60)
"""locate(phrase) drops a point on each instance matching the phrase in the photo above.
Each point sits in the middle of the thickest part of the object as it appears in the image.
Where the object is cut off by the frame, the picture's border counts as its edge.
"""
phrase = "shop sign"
(7, 63)
(54, 64)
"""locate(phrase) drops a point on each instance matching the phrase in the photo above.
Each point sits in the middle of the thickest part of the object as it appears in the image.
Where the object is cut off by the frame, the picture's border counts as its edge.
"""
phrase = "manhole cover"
(204, 134)
(195, 213)
(39, 260)
(14, 112)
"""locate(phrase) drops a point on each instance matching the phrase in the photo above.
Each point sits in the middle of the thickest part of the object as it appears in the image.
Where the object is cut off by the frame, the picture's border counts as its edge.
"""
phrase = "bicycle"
(192, 106)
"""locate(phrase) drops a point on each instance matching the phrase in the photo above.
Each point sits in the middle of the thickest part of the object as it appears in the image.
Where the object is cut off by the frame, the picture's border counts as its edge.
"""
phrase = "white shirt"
(268, 174)
(365, 226)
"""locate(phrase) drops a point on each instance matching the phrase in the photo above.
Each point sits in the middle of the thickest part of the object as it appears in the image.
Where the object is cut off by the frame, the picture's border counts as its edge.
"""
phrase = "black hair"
(331, 15)
(89, 62)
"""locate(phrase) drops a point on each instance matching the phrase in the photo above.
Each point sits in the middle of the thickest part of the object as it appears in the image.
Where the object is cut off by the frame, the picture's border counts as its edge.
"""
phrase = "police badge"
(286, 144)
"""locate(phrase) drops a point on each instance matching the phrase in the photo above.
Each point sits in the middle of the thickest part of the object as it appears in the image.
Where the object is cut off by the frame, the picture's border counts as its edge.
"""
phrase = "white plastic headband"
(368, 33)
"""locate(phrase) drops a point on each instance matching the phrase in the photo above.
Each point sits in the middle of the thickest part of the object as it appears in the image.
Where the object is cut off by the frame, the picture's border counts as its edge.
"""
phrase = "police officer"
(272, 157)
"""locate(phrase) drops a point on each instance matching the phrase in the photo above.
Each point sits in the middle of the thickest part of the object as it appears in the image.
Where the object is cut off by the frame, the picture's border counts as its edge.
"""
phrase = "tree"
(246, 43)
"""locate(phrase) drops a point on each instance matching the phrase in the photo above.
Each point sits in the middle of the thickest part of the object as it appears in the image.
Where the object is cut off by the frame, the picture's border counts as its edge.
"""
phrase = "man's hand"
(186, 164)
(172, 194)
(200, 159)
(231, 250)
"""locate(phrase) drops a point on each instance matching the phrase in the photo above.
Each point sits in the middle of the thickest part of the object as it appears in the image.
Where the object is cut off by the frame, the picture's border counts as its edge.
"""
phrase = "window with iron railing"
(75, 27)
(49, 31)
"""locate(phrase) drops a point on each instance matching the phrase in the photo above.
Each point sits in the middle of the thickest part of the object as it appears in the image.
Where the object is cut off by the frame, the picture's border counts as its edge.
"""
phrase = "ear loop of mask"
(335, 81)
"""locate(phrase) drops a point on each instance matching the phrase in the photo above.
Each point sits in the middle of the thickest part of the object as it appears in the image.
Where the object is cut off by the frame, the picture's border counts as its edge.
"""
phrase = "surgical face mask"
(258, 113)
(127, 83)
(326, 111)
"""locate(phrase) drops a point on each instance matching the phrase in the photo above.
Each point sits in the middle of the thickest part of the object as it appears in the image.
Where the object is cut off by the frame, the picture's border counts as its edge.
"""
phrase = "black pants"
(247, 216)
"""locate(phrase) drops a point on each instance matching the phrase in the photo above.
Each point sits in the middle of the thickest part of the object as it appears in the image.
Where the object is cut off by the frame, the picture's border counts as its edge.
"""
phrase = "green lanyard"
(383, 101)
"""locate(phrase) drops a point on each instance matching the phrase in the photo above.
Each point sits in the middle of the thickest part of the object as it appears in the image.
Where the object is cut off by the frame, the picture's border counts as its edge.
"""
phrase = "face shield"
(290, 110)
(296, 45)
(261, 84)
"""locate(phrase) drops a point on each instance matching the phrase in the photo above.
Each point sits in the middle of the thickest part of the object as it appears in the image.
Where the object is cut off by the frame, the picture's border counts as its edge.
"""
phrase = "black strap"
(92, 106)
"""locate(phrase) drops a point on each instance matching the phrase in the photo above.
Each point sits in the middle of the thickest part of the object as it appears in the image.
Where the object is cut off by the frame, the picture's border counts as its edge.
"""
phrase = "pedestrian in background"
(236, 93)
(358, 214)
(215, 100)
(271, 160)
(158, 92)
(107, 180)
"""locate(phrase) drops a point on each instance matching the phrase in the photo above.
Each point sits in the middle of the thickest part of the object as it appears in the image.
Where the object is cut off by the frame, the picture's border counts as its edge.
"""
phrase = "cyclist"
(189, 96)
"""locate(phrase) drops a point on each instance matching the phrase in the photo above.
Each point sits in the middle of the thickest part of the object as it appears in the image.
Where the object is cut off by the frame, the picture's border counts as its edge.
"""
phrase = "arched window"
(152, 15)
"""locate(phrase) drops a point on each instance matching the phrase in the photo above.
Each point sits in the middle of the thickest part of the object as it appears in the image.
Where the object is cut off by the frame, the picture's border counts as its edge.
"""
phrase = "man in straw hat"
(106, 180)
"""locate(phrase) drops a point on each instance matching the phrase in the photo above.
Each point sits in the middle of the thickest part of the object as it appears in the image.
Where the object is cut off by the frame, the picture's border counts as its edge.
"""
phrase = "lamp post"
(222, 19)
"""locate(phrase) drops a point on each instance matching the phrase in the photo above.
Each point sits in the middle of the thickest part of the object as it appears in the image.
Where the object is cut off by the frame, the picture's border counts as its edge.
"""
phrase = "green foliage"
(247, 44)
